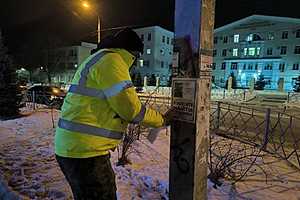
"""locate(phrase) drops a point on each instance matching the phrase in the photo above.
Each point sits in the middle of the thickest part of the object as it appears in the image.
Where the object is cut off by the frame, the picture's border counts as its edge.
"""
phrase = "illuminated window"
(141, 63)
(252, 51)
(148, 51)
(235, 52)
(257, 51)
(250, 37)
(245, 51)
(236, 38)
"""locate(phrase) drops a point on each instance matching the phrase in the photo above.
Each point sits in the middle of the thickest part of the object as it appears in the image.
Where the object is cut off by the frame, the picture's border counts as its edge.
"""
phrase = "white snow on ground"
(28, 166)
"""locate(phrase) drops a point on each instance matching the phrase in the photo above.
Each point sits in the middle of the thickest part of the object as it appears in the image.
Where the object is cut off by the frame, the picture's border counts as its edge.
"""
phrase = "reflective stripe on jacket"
(99, 105)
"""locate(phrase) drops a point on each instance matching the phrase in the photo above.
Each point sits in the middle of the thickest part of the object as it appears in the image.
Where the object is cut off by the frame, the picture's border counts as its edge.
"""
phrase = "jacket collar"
(125, 55)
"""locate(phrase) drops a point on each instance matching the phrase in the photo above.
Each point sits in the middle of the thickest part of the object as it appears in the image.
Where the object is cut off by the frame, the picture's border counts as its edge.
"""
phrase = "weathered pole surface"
(194, 23)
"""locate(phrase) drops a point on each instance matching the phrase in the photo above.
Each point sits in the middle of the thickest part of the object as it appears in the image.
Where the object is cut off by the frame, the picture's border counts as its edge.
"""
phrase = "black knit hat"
(129, 40)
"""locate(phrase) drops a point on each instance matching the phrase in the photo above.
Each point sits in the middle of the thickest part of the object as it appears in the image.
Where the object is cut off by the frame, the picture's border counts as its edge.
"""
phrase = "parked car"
(48, 95)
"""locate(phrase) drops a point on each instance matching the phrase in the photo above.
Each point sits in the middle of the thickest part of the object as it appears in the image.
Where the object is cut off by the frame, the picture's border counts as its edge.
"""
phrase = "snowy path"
(28, 166)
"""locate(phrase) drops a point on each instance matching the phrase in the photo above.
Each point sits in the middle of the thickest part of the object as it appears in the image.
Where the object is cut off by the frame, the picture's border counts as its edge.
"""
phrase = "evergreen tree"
(297, 85)
(260, 83)
(152, 80)
(8, 88)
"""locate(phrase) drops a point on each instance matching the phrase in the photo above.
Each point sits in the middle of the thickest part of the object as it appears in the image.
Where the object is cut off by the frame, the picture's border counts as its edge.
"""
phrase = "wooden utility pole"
(194, 23)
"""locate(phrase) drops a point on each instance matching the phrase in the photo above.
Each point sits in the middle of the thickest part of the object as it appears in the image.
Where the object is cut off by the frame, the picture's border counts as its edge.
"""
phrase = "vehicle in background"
(51, 96)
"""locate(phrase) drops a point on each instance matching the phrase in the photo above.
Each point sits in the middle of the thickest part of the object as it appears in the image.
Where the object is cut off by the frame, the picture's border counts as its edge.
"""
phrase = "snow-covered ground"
(28, 166)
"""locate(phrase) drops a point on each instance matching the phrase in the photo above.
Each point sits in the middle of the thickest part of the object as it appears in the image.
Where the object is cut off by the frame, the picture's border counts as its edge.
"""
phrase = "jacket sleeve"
(121, 95)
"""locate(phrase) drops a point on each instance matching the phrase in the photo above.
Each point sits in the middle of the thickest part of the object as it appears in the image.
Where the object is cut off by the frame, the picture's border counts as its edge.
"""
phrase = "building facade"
(156, 60)
(158, 52)
(65, 60)
(258, 46)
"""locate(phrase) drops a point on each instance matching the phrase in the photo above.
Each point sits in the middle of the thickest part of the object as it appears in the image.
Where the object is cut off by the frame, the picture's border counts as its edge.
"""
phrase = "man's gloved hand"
(168, 116)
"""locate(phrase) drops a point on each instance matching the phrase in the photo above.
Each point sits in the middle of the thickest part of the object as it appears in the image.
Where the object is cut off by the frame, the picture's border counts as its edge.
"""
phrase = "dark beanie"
(129, 40)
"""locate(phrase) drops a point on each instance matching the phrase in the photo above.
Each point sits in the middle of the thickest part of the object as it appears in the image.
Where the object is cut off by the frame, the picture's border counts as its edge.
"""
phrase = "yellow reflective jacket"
(99, 105)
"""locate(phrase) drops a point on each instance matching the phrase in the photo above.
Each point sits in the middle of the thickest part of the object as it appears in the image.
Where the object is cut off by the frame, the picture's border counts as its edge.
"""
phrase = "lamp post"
(86, 5)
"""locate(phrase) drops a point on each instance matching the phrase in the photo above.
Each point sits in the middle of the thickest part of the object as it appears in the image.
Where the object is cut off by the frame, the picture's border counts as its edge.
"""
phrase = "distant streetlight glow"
(85, 4)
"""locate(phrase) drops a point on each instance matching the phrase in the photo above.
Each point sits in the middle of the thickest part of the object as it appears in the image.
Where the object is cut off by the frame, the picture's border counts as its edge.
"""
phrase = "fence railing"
(216, 93)
(273, 132)
(293, 97)
(34, 100)
(235, 94)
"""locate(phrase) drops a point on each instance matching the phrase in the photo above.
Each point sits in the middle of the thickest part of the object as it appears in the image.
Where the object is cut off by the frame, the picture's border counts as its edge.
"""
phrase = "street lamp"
(86, 5)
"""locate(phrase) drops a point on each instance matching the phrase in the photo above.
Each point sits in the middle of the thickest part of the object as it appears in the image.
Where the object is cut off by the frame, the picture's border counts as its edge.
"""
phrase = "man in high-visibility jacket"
(99, 105)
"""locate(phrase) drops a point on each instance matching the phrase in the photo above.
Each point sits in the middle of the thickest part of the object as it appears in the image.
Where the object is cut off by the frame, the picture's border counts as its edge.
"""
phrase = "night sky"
(22, 21)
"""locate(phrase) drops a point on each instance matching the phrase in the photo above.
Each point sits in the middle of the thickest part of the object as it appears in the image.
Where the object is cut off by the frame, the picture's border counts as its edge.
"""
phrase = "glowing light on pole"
(87, 6)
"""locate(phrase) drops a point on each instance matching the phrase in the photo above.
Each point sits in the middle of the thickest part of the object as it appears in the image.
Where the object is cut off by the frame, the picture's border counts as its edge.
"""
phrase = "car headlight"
(55, 90)
(52, 97)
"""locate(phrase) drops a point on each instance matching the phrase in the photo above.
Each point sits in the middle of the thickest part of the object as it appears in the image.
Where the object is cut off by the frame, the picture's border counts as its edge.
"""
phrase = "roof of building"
(89, 45)
(153, 27)
(264, 19)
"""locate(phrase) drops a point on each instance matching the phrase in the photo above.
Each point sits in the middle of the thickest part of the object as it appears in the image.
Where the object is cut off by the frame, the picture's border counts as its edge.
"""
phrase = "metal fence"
(216, 93)
(158, 102)
(234, 94)
(273, 132)
(293, 97)
(267, 130)
(34, 101)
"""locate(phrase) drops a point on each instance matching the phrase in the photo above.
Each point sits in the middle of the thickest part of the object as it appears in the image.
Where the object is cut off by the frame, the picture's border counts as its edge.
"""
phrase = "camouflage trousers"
(89, 178)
